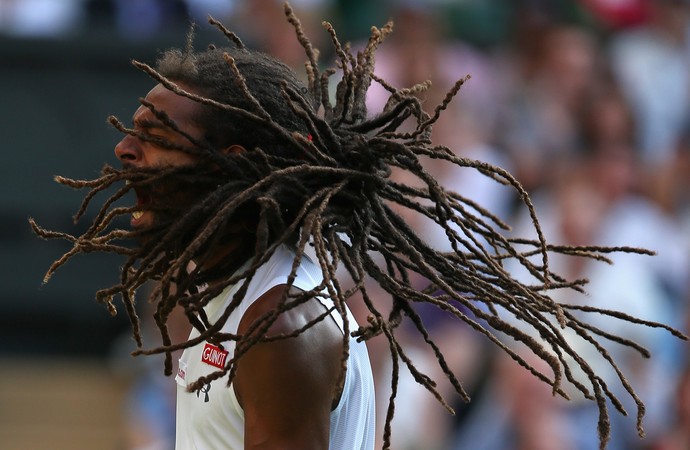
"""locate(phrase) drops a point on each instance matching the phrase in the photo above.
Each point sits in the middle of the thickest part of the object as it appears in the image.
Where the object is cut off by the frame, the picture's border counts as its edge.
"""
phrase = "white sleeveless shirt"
(212, 419)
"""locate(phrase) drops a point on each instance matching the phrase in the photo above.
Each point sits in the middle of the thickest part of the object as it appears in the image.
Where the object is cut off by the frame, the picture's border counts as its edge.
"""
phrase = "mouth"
(143, 200)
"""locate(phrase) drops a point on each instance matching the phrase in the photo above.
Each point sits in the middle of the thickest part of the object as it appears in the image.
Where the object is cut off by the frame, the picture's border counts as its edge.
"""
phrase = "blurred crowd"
(586, 102)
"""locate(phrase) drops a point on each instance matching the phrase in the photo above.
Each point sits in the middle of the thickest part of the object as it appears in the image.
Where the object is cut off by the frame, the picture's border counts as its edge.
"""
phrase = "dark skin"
(287, 388)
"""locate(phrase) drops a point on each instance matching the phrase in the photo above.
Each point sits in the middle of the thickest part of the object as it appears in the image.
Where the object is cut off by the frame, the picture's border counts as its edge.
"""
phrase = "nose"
(128, 150)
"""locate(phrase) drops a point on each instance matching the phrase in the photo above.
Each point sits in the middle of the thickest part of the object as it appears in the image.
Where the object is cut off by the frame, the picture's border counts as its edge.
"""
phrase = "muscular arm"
(287, 387)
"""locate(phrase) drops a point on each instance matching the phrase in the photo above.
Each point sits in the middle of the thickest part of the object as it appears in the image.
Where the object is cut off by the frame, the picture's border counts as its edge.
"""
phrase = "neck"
(221, 262)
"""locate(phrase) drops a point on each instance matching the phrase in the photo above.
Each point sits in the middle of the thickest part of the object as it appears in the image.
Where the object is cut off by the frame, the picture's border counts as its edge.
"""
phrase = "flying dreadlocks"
(317, 174)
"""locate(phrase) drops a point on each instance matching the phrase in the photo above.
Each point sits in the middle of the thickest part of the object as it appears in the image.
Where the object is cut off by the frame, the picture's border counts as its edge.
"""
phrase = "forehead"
(180, 109)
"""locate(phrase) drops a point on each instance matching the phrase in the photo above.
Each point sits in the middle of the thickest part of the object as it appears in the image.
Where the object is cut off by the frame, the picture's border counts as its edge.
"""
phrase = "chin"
(143, 221)
(150, 229)
(145, 227)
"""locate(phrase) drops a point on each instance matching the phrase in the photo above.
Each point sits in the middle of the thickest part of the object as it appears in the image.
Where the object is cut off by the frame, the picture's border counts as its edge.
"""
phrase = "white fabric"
(212, 419)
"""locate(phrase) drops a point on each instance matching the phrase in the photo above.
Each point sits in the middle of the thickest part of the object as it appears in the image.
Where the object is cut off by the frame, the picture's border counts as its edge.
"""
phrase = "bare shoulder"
(287, 387)
(291, 320)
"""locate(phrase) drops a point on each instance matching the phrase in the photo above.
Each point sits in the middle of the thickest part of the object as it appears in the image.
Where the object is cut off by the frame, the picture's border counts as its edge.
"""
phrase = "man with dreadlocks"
(238, 168)
(285, 393)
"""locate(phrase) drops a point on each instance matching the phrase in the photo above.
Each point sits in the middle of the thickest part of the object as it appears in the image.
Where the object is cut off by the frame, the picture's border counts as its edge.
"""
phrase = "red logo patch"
(214, 356)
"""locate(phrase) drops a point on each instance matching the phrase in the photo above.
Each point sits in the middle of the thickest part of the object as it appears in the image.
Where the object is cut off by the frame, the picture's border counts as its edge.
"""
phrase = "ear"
(234, 149)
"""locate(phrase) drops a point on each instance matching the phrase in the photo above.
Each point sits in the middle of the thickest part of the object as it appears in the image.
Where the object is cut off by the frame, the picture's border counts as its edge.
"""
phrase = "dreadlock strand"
(97, 185)
(524, 197)
(299, 106)
(626, 317)
(297, 332)
(311, 52)
(91, 246)
(558, 342)
(459, 199)
(248, 275)
(197, 98)
(443, 364)
(232, 37)
(541, 273)
(401, 94)
(388, 117)
(441, 107)
(319, 130)
(351, 259)
(590, 252)
(48, 234)
(311, 76)
(313, 153)
(116, 123)
(640, 405)
(644, 352)
(564, 250)
(380, 278)
(79, 184)
(421, 378)
(502, 326)
(135, 322)
(325, 93)
(242, 83)
(375, 317)
(191, 250)
(115, 235)
(60, 261)
(263, 119)
(444, 212)
(215, 327)
(399, 223)
(220, 216)
(362, 70)
(349, 96)
(105, 183)
(106, 217)
(339, 50)
(395, 373)
(198, 146)
(603, 423)
(254, 335)
(334, 287)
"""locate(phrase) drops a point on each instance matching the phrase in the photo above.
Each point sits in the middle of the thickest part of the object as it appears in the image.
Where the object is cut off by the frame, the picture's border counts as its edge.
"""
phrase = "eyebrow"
(148, 124)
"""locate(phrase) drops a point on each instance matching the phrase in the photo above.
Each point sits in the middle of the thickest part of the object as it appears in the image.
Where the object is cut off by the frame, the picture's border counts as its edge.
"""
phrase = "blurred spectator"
(605, 120)
(653, 66)
(670, 183)
(595, 205)
(40, 18)
(556, 67)
(149, 409)
(678, 436)
(137, 19)
(675, 194)
(607, 127)
(618, 14)
(419, 50)
(516, 412)
(222, 10)
(263, 26)
(149, 404)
